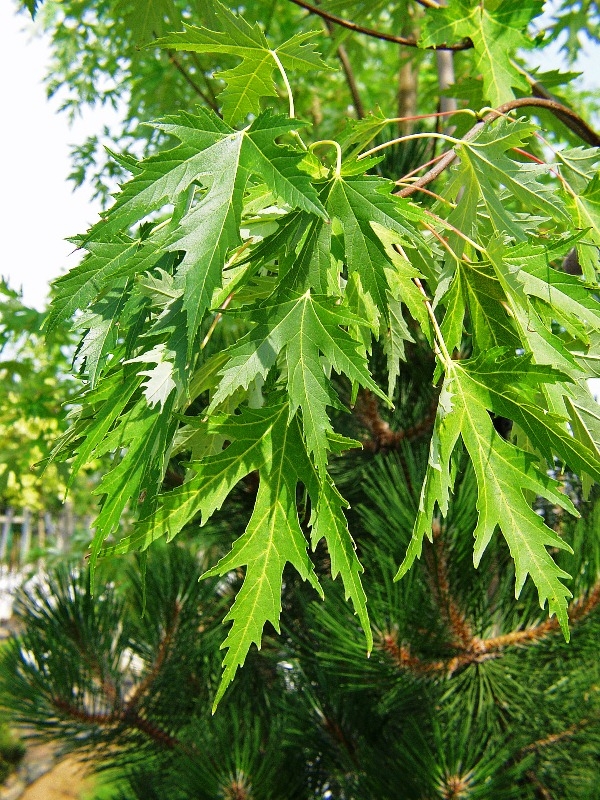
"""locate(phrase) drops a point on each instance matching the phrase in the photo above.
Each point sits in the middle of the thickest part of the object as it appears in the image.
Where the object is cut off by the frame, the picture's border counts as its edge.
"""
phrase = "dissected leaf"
(584, 209)
(503, 473)
(252, 79)
(306, 329)
(268, 441)
(497, 30)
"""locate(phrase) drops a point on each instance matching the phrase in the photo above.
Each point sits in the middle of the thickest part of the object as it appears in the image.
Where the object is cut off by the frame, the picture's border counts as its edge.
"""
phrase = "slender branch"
(437, 197)
(555, 738)
(429, 4)
(455, 230)
(418, 169)
(178, 66)
(207, 81)
(382, 437)
(445, 355)
(541, 790)
(216, 320)
(466, 44)
(566, 115)
(338, 150)
(342, 54)
(286, 81)
(477, 650)
(109, 720)
(350, 80)
(163, 649)
(436, 558)
(408, 138)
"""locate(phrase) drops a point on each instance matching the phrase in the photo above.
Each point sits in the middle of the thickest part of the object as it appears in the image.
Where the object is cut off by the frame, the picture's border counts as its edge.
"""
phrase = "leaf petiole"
(338, 165)
(288, 88)
(445, 137)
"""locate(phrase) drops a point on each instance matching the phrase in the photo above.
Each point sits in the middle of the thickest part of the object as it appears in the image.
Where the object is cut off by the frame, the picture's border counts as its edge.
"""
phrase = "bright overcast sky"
(39, 207)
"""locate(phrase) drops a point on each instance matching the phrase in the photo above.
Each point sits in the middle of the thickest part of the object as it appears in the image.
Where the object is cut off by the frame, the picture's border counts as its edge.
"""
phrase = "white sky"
(38, 206)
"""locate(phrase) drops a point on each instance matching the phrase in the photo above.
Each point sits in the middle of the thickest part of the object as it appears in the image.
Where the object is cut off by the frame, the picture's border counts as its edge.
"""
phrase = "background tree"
(37, 392)
(280, 348)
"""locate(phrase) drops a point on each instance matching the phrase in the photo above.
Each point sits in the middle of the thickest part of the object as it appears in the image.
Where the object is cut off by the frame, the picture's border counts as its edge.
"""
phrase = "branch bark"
(477, 650)
(573, 121)
(466, 44)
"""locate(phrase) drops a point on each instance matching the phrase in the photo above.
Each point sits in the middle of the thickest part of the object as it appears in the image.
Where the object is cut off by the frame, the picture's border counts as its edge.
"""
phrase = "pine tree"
(282, 345)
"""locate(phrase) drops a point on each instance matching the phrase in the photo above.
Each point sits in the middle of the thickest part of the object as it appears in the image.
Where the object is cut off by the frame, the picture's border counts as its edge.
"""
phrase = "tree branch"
(477, 650)
(163, 649)
(466, 44)
(382, 437)
(178, 66)
(351, 81)
(555, 738)
(436, 559)
(348, 73)
(572, 120)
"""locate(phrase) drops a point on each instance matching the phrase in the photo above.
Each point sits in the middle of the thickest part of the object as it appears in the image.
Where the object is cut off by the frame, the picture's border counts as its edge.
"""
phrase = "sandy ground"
(65, 781)
(42, 777)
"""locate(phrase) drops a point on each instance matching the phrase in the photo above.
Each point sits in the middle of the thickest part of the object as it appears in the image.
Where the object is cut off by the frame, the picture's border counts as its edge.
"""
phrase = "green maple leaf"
(204, 179)
(147, 19)
(400, 275)
(503, 471)
(497, 31)
(139, 439)
(252, 79)
(306, 328)
(562, 292)
(265, 440)
(484, 166)
(358, 202)
(535, 334)
(578, 165)
(584, 209)
(159, 383)
(476, 289)
(101, 333)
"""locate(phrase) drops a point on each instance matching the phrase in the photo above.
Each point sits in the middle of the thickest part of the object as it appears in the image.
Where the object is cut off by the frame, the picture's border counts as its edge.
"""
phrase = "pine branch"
(125, 711)
(436, 559)
(163, 649)
(131, 718)
(477, 650)
(382, 438)
(541, 790)
(555, 738)
(387, 37)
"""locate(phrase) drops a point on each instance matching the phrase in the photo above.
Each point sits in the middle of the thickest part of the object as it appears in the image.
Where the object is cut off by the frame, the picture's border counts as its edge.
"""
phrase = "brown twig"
(351, 81)
(163, 649)
(566, 115)
(555, 738)
(436, 559)
(541, 790)
(189, 80)
(342, 54)
(382, 438)
(477, 650)
(132, 719)
(466, 44)
(126, 712)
